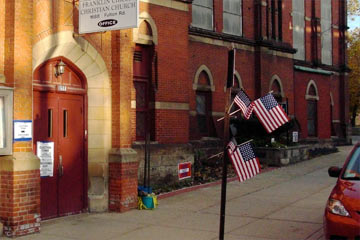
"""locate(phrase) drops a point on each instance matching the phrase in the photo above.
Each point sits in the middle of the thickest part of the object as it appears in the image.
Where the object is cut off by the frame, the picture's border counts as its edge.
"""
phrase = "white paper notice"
(22, 130)
(45, 151)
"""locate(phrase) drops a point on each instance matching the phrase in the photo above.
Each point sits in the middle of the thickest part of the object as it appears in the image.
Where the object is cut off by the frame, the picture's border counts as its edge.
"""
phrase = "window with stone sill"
(326, 32)
(202, 14)
(6, 113)
(232, 17)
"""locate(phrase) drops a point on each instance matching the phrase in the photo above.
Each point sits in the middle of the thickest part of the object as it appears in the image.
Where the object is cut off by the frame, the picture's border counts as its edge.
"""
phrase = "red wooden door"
(71, 146)
(59, 118)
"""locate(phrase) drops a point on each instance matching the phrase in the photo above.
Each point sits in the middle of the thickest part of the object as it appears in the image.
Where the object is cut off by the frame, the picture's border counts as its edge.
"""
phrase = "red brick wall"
(20, 202)
(123, 182)
(248, 19)
(171, 126)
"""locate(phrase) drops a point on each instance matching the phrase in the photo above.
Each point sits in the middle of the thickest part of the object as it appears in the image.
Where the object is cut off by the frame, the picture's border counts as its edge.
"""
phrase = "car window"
(352, 170)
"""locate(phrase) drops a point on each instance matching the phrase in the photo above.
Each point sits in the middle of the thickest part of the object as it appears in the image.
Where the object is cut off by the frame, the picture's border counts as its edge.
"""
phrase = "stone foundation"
(164, 158)
(289, 155)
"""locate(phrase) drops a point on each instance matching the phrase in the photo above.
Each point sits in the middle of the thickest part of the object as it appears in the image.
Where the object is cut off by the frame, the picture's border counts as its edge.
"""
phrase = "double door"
(59, 119)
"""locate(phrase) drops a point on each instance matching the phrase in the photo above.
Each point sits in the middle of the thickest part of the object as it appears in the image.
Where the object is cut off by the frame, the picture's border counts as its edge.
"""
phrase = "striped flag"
(270, 113)
(242, 100)
(243, 159)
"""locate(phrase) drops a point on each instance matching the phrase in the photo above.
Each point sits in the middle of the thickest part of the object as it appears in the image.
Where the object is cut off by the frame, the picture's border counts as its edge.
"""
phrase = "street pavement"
(285, 203)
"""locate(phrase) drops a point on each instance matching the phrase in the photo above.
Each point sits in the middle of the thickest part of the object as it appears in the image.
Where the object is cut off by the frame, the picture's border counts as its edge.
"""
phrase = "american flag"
(270, 113)
(243, 159)
(242, 100)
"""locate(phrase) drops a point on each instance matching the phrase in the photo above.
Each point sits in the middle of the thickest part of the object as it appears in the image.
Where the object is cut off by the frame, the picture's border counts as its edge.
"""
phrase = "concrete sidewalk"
(286, 203)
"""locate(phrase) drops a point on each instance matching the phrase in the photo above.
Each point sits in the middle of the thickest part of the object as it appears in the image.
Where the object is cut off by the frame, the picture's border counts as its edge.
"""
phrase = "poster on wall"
(22, 130)
(106, 15)
(45, 151)
(184, 170)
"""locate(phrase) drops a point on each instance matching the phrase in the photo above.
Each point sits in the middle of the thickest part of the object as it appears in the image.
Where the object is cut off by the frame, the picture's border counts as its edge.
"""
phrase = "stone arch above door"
(89, 61)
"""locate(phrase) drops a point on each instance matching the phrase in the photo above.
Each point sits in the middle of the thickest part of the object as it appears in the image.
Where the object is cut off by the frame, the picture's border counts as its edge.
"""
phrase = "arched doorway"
(59, 115)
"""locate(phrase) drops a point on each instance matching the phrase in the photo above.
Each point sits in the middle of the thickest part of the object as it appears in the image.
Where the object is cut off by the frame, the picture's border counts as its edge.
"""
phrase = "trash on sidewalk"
(146, 199)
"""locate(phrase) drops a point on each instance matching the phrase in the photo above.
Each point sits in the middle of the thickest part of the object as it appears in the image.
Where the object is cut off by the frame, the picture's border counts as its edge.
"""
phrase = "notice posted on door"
(45, 151)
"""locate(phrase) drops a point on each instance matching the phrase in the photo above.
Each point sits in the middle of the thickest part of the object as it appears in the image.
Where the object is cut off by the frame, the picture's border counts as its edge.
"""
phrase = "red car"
(342, 213)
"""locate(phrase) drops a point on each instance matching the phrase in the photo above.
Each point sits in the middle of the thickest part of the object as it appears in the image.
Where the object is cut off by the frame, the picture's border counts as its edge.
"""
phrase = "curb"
(205, 185)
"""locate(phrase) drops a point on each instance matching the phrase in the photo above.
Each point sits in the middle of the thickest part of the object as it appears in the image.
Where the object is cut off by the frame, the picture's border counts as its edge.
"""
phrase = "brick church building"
(86, 102)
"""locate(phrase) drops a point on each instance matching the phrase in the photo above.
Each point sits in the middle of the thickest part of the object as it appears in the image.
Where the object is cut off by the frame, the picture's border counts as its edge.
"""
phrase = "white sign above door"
(106, 15)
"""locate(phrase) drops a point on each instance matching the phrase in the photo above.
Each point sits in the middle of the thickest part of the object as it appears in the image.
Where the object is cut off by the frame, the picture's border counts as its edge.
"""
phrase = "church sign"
(106, 15)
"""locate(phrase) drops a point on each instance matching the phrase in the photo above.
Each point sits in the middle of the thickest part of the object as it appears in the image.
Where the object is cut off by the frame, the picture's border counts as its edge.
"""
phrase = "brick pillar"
(19, 172)
(20, 194)
(123, 179)
(122, 84)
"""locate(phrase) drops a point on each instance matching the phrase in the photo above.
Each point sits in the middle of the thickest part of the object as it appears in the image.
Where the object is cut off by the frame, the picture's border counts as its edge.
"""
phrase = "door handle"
(61, 167)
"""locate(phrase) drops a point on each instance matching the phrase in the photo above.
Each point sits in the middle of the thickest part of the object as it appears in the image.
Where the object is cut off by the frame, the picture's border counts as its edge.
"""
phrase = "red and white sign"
(184, 170)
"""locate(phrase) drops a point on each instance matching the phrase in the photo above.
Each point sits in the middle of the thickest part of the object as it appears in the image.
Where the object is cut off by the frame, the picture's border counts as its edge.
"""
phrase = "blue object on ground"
(148, 201)
(147, 190)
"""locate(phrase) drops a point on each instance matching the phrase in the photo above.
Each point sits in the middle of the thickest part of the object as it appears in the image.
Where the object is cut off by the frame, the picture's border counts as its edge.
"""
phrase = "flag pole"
(229, 84)
(232, 103)
(245, 142)
(229, 115)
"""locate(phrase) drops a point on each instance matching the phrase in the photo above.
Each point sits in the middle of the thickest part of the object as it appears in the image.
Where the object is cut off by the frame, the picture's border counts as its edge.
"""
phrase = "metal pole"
(148, 159)
(229, 84)
(225, 162)
(145, 163)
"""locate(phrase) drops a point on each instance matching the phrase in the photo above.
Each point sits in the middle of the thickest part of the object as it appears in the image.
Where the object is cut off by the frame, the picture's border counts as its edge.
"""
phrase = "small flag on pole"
(244, 161)
(270, 113)
(242, 100)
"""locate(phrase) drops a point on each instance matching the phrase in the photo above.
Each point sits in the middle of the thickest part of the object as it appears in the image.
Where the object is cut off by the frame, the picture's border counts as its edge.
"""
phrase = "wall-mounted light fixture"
(59, 68)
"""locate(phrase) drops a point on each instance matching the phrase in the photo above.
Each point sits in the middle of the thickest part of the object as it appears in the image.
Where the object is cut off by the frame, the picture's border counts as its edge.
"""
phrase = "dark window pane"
(312, 91)
(140, 94)
(140, 124)
(65, 118)
(312, 118)
(50, 122)
(202, 123)
(200, 104)
(311, 128)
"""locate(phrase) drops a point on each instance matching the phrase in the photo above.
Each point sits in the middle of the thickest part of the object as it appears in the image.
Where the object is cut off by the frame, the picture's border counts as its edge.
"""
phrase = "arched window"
(277, 89)
(146, 33)
(312, 98)
(203, 106)
(203, 86)
(146, 39)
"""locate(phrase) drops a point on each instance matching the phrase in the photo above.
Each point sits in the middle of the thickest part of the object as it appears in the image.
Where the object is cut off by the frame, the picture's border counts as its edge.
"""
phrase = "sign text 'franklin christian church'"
(106, 15)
